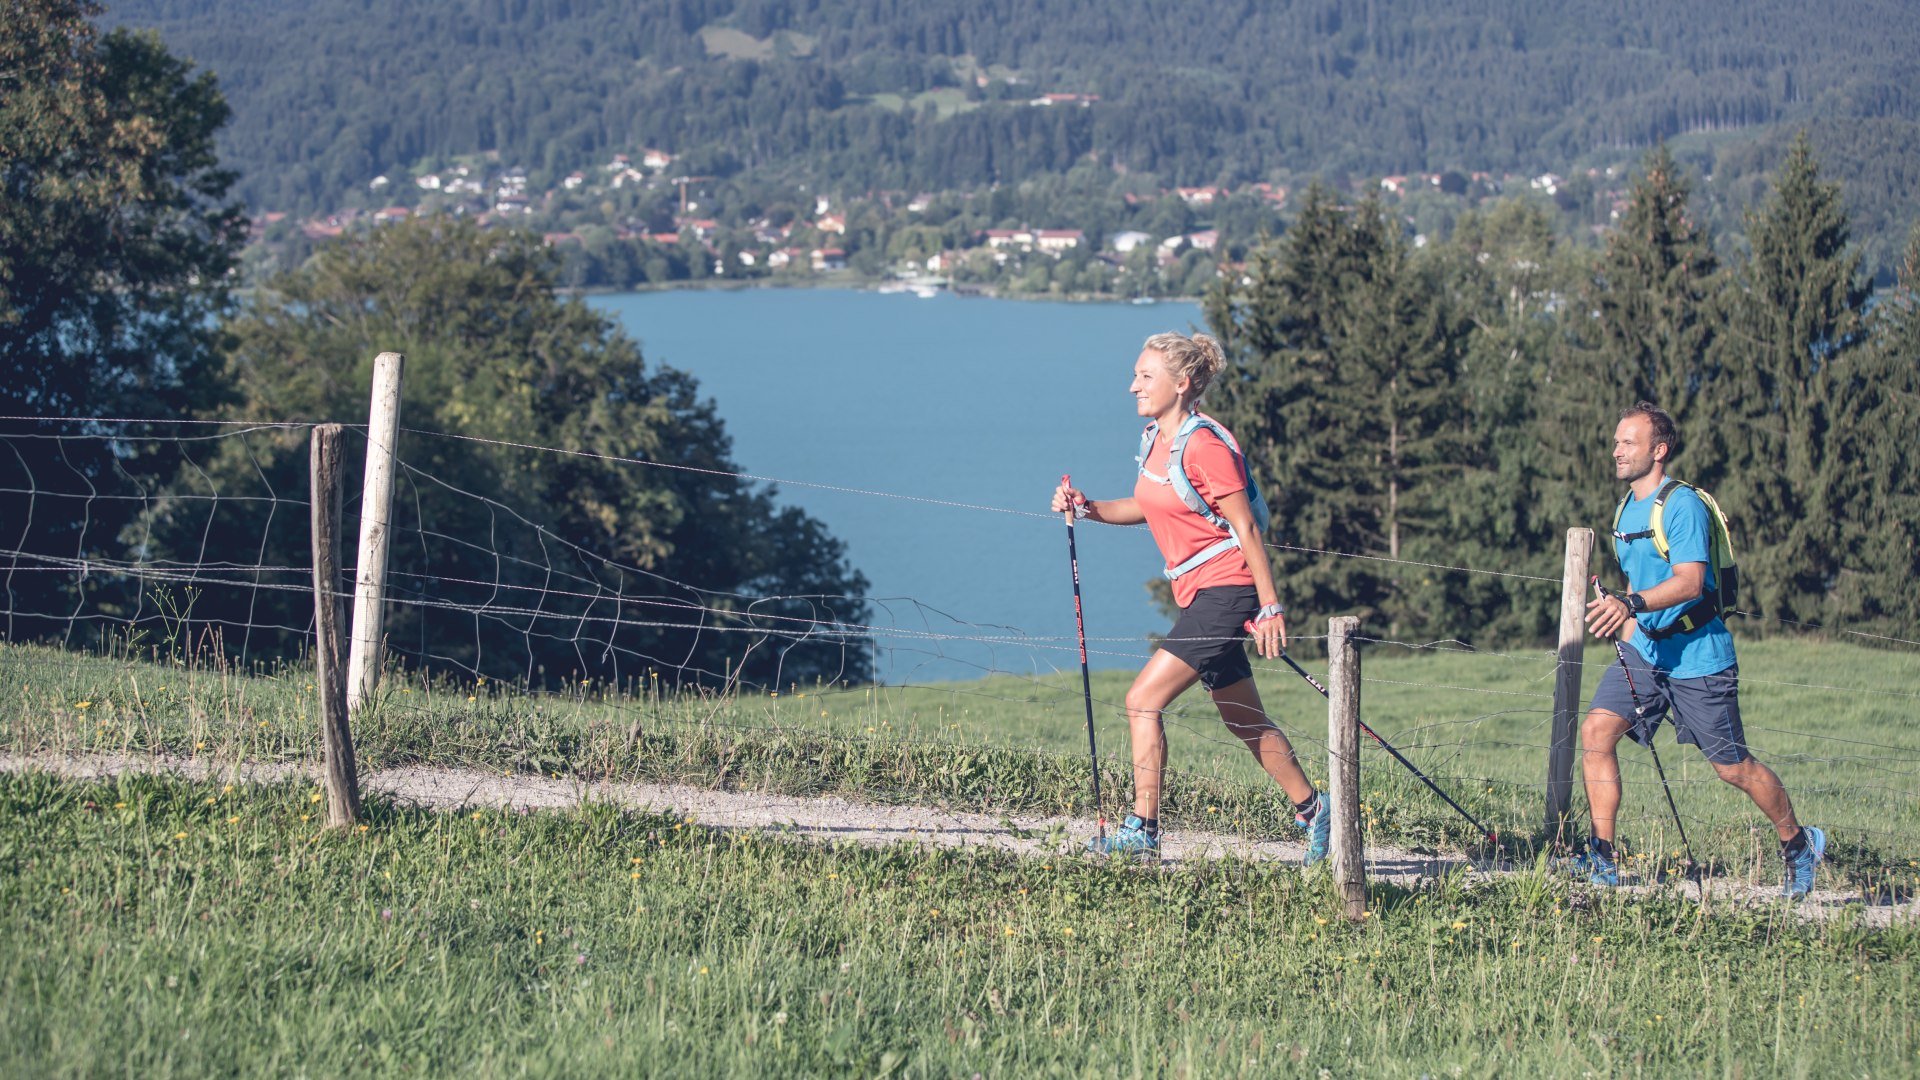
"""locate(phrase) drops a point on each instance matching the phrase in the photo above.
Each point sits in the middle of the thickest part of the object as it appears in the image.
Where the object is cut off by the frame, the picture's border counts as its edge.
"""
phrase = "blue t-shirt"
(1708, 649)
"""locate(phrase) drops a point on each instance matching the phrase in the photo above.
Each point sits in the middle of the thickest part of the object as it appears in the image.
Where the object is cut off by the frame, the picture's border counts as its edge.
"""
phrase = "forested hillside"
(858, 95)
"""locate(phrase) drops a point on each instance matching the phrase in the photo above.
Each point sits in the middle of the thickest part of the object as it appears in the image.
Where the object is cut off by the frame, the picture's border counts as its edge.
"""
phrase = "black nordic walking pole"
(1491, 836)
(1639, 722)
(1086, 680)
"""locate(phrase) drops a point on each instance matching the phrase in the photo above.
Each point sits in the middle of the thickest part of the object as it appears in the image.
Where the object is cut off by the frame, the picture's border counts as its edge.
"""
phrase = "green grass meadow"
(161, 927)
(174, 927)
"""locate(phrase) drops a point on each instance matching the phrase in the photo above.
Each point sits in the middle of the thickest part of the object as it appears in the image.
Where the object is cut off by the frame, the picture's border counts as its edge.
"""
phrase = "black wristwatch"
(1635, 602)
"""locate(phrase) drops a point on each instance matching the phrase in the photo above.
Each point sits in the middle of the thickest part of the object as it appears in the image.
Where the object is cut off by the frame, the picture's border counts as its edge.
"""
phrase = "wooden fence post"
(1343, 764)
(376, 506)
(1566, 683)
(336, 738)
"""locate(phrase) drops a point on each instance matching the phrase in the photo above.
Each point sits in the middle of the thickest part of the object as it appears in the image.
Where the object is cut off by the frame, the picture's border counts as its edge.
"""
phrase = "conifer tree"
(1341, 387)
(1507, 273)
(1642, 328)
(1408, 340)
(1650, 293)
(1879, 477)
(1795, 314)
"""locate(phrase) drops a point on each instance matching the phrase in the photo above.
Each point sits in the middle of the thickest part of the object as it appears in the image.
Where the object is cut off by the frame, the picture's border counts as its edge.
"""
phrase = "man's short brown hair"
(1664, 430)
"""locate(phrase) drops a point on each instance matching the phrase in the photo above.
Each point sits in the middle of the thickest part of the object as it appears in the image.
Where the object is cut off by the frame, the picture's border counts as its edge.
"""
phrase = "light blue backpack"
(1177, 476)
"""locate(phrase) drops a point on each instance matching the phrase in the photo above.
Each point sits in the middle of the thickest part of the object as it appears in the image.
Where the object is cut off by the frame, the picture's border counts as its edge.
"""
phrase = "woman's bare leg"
(1240, 709)
(1165, 677)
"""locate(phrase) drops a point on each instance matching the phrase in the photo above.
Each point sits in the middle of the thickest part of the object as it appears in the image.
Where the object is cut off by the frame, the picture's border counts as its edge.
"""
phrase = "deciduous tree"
(115, 243)
(622, 552)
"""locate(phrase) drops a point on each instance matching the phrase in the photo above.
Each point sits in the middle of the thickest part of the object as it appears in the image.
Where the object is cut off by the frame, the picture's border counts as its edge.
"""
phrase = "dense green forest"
(859, 95)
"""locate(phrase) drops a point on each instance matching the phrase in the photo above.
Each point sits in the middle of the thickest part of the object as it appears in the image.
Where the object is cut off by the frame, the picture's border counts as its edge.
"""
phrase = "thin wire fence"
(212, 569)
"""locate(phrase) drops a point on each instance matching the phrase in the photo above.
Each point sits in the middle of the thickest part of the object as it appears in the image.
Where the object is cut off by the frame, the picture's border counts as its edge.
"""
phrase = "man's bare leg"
(1600, 735)
(1766, 791)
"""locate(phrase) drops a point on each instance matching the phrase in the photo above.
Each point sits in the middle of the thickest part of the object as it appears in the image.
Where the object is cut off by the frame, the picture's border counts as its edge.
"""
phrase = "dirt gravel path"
(840, 820)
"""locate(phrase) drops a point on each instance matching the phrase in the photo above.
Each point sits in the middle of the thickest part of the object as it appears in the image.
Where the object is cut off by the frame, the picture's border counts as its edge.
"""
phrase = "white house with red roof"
(1058, 241)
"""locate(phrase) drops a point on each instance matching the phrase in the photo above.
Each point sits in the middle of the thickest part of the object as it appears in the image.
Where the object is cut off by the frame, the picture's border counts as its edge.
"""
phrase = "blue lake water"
(943, 400)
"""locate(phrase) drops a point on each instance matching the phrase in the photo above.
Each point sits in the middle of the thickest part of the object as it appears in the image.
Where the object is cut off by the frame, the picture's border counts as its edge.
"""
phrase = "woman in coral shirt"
(1221, 580)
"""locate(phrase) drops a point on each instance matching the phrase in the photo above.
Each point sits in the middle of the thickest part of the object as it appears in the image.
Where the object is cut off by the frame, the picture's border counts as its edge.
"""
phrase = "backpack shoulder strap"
(1619, 512)
(1656, 521)
(1146, 450)
(1262, 516)
(1202, 420)
(1177, 466)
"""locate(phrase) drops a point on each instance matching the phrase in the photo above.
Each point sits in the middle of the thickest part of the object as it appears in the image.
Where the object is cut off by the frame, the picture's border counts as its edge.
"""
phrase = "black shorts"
(1209, 633)
(1705, 711)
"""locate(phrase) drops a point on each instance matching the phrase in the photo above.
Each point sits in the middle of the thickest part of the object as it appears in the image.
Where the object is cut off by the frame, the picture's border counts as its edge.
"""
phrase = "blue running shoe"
(1588, 863)
(1319, 826)
(1579, 864)
(1598, 869)
(1130, 839)
(1602, 870)
(1800, 867)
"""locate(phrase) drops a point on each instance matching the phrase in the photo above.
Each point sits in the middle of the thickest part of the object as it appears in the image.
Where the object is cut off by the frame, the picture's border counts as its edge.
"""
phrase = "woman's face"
(1155, 390)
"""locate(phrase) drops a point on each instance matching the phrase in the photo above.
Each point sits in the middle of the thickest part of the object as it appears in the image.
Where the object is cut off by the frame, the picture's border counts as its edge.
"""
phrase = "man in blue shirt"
(1688, 673)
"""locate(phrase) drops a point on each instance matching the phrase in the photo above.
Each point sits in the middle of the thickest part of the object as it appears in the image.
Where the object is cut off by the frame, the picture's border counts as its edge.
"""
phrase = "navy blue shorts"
(1705, 711)
(1209, 634)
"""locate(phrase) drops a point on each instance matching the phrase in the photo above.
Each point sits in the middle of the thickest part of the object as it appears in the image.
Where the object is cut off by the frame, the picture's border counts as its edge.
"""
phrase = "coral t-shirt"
(1181, 533)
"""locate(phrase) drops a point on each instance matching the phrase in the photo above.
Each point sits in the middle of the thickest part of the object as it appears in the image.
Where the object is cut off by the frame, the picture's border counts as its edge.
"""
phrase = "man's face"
(1633, 448)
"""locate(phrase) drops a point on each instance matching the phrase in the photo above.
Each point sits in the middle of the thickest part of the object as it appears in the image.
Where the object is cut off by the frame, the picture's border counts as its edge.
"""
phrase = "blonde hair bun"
(1199, 358)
